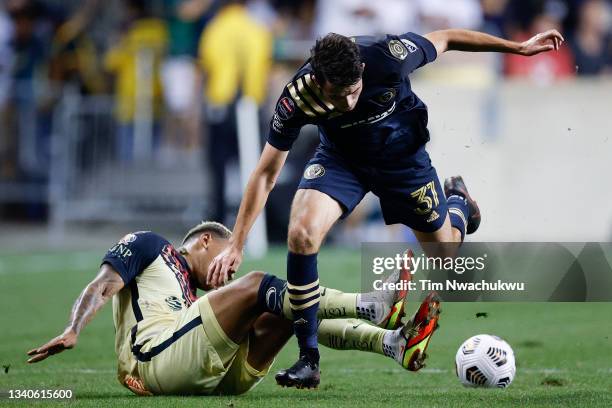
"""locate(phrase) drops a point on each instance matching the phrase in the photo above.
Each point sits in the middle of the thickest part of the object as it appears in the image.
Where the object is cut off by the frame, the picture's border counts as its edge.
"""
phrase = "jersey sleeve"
(287, 120)
(133, 253)
(411, 50)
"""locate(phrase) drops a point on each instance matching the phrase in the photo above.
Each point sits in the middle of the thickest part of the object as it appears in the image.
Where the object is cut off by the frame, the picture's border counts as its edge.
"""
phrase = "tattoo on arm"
(94, 296)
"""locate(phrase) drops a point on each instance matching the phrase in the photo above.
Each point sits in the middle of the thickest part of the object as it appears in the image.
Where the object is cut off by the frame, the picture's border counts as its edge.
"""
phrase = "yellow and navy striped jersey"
(158, 285)
(389, 119)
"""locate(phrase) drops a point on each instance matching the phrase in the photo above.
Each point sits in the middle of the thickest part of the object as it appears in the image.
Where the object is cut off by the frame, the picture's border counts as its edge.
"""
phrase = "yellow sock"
(351, 334)
(333, 304)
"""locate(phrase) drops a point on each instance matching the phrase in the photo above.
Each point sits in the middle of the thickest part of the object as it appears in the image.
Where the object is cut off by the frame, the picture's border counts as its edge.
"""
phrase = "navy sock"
(303, 292)
(459, 213)
(271, 293)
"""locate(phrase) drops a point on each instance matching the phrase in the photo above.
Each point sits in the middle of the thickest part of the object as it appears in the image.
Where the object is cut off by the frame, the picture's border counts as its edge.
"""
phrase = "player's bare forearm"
(255, 196)
(258, 188)
(94, 296)
(260, 184)
(474, 41)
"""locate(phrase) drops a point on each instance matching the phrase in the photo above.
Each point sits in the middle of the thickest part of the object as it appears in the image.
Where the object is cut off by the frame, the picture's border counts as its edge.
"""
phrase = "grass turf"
(563, 350)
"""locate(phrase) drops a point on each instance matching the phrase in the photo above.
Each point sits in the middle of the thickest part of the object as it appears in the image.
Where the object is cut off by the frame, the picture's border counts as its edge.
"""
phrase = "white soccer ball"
(485, 361)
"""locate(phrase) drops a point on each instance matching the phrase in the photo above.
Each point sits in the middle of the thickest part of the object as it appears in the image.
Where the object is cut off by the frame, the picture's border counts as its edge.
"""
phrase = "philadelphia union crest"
(314, 171)
(398, 50)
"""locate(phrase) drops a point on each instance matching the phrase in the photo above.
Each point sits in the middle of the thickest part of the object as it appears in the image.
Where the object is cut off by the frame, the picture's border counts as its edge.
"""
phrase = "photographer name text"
(449, 285)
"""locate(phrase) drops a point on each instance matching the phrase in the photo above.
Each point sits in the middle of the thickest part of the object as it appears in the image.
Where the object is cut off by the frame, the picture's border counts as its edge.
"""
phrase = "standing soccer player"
(373, 131)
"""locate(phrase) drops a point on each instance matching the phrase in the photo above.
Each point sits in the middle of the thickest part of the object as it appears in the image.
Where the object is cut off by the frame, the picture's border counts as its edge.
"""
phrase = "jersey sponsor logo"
(277, 124)
(398, 49)
(308, 97)
(122, 250)
(127, 239)
(285, 108)
(371, 119)
(122, 247)
(314, 171)
(174, 303)
(410, 46)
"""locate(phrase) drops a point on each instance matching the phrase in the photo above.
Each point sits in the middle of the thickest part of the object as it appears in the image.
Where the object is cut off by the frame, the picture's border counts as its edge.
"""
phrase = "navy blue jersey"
(389, 122)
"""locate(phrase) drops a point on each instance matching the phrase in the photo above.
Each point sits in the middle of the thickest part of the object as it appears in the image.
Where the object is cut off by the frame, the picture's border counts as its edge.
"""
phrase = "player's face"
(205, 251)
(345, 98)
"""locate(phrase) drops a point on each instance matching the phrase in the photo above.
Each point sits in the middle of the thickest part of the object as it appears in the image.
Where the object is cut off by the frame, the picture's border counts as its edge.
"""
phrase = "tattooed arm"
(94, 296)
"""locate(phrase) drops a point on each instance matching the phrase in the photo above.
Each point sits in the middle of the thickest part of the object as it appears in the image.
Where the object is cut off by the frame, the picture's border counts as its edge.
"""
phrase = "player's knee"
(248, 285)
(254, 278)
(301, 239)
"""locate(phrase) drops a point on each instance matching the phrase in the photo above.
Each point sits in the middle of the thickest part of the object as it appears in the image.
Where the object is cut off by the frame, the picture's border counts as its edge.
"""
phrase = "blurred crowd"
(175, 68)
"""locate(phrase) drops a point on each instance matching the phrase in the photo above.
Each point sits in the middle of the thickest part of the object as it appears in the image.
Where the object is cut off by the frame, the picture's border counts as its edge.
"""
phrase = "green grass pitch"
(563, 351)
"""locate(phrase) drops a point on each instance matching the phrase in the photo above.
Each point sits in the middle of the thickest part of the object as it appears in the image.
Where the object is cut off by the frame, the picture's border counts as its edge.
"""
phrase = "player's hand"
(63, 342)
(542, 42)
(223, 267)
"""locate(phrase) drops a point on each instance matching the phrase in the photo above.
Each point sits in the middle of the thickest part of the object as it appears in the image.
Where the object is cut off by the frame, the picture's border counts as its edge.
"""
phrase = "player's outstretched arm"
(94, 296)
(473, 41)
(258, 188)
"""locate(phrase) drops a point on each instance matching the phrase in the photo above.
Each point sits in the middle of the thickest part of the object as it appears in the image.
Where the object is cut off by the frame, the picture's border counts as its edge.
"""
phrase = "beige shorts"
(195, 356)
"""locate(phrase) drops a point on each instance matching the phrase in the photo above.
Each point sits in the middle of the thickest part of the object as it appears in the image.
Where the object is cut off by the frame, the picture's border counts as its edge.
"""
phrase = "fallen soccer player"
(169, 341)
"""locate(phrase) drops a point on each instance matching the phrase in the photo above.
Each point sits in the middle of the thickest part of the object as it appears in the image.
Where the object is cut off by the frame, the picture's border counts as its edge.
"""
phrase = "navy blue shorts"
(409, 194)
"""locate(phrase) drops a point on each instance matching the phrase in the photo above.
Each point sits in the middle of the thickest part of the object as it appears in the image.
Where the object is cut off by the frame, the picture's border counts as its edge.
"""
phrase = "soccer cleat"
(396, 299)
(456, 186)
(385, 308)
(409, 343)
(303, 374)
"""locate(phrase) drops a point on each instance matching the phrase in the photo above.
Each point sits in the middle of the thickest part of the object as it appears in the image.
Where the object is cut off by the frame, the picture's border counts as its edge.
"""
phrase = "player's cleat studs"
(418, 332)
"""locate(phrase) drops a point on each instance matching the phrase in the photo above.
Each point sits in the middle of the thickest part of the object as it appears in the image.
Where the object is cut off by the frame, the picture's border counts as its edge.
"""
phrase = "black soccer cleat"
(456, 186)
(303, 374)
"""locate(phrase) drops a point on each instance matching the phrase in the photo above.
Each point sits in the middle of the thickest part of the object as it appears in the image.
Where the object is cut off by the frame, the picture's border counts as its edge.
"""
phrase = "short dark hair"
(215, 228)
(337, 60)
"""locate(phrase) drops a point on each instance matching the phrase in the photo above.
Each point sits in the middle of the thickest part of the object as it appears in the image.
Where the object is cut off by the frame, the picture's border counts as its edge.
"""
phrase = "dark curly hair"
(336, 59)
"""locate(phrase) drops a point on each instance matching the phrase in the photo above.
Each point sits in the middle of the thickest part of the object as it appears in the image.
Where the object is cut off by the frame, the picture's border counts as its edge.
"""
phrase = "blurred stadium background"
(130, 114)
